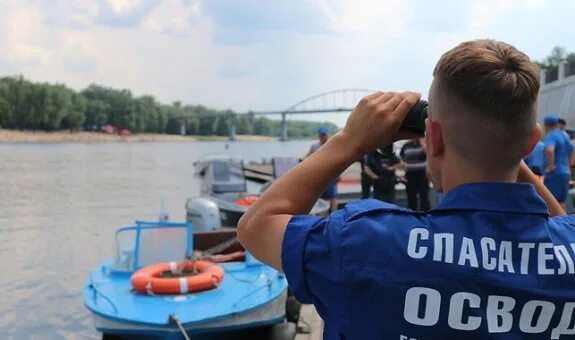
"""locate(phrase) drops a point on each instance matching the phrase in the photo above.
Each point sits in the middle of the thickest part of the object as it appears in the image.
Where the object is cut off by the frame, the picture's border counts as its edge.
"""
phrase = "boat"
(250, 296)
(201, 164)
(224, 182)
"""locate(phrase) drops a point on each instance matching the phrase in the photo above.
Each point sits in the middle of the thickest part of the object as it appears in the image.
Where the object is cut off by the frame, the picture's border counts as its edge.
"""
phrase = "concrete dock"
(310, 325)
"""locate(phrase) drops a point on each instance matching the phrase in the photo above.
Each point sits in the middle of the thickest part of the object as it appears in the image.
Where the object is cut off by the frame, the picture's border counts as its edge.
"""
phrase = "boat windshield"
(147, 243)
(225, 176)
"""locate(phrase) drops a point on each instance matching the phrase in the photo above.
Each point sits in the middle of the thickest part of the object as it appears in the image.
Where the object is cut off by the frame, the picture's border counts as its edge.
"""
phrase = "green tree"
(4, 112)
(75, 114)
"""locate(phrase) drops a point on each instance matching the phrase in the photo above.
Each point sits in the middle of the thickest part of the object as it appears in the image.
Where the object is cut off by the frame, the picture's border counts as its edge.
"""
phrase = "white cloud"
(484, 13)
(177, 49)
(22, 34)
(373, 17)
(123, 6)
(173, 17)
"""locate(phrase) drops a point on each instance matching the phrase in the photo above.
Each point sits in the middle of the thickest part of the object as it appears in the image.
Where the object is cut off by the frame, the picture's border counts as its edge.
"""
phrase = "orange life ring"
(246, 201)
(148, 280)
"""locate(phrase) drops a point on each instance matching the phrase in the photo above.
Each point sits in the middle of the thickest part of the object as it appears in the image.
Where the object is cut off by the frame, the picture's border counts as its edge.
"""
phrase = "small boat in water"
(201, 164)
(247, 295)
(225, 184)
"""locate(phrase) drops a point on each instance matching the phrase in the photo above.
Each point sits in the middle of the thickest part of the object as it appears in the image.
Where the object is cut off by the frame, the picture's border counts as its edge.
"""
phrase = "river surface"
(60, 205)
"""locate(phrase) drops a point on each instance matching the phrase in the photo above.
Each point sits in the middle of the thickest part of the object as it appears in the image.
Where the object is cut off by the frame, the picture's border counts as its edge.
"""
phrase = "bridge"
(343, 100)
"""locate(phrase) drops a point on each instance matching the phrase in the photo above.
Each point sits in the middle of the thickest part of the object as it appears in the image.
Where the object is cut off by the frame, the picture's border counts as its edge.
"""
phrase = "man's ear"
(533, 141)
(434, 134)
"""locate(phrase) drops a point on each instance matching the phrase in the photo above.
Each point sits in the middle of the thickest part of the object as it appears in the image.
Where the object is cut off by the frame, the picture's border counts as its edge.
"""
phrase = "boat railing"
(102, 295)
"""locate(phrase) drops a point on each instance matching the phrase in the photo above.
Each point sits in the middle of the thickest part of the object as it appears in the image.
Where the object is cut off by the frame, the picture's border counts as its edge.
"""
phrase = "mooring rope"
(175, 320)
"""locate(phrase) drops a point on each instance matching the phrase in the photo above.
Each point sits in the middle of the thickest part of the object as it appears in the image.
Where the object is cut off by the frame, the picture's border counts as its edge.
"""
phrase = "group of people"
(378, 170)
(553, 158)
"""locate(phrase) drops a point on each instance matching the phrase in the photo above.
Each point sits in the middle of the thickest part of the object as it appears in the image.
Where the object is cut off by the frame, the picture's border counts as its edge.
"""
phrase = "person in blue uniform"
(535, 159)
(493, 260)
(330, 193)
(558, 151)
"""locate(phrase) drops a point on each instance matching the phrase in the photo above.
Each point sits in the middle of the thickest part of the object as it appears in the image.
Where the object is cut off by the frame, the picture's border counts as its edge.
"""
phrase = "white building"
(558, 97)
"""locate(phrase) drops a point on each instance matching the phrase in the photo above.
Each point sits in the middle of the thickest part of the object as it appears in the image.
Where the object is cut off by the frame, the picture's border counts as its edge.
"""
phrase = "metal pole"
(232, 131)
(283, 129)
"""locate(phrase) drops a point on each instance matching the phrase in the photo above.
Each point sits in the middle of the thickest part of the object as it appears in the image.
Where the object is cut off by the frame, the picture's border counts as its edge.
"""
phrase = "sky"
(261, 54)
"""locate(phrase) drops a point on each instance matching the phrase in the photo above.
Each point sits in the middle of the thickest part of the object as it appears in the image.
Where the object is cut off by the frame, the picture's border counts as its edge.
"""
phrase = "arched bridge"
(343, 100)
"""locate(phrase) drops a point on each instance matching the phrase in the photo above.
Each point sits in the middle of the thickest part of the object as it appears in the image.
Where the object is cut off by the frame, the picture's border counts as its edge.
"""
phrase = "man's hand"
(376, 119)
(372, 124)
(550, 168)
(525, 175)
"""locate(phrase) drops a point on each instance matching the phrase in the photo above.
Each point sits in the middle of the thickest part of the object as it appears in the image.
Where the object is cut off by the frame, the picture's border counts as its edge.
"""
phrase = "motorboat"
(201, 164)
(249, 295)
(225, 183)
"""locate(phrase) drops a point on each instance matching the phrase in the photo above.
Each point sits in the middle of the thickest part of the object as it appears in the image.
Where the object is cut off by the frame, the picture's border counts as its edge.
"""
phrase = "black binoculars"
(414, 122)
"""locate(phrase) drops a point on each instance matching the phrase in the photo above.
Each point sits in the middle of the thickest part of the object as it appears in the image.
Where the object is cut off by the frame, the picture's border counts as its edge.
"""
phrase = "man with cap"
(330, 193)
(558, 151)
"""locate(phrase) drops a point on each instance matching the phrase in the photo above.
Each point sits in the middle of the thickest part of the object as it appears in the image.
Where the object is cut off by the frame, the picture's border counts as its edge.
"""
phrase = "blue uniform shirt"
(563, 148)
(487, 262)
(535, 159)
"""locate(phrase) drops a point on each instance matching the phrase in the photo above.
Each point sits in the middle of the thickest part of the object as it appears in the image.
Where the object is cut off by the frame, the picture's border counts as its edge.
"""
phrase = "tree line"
(551, 63)
(26, 105)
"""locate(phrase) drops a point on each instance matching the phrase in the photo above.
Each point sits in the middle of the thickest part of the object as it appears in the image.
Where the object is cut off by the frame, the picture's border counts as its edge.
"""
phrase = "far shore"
(15, 136)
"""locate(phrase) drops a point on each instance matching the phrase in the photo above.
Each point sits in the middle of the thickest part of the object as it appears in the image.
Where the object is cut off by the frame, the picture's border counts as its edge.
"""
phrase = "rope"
(175, 320)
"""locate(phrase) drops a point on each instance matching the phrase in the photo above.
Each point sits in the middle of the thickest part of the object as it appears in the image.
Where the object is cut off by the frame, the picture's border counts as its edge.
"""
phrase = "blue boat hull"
(251, 295)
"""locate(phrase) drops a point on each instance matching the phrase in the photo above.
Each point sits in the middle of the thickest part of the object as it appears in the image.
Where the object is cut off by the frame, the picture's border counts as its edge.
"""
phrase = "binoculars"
(414, 122)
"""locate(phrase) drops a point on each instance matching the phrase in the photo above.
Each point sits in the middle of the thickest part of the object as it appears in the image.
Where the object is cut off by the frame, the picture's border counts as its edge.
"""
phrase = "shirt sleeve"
(550, 141)
(311, 260)
(529, 158)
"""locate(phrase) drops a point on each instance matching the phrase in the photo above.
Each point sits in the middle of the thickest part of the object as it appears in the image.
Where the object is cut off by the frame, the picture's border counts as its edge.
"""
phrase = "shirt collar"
(499, 197)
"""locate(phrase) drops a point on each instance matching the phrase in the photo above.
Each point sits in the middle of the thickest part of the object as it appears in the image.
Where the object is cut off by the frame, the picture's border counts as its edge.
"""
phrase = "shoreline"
(24, 137)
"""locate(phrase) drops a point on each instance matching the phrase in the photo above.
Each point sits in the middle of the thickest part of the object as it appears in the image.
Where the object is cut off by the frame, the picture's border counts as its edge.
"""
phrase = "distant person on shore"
(558, 151)
(535, 159)
(330, 193)
(417, 186)
(380, 166)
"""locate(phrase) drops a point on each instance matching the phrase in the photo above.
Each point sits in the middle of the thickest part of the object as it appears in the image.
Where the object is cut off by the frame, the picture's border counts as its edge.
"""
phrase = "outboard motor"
(203, 213)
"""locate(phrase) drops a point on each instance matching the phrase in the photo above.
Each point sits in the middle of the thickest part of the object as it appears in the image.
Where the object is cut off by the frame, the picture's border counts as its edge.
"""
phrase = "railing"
(558, 72)
(551, 74)
(570, 68)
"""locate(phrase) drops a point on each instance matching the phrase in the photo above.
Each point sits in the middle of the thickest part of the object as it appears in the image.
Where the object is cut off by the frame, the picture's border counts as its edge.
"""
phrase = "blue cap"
(322, 131)
(551, 119)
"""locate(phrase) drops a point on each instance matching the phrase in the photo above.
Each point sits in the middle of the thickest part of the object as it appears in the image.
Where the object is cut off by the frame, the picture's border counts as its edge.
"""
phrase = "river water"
(60, 205)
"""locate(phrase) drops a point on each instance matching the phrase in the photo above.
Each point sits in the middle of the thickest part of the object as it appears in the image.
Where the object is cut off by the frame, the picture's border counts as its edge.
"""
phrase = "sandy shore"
(12, 136)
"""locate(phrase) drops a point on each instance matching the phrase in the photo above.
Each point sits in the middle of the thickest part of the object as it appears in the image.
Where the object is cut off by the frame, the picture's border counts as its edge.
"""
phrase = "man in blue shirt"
(536, 158)
(487, 262)
(558, 151)
(330, 192)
